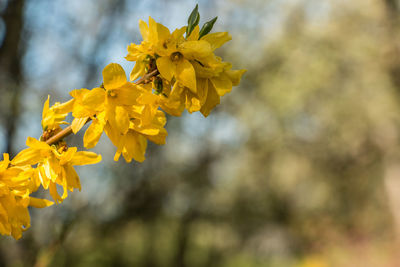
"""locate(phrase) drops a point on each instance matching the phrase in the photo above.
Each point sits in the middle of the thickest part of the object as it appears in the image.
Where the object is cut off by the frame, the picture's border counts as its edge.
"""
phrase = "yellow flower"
(168, 99)
(55, 165)
(217, 86)
(213, 80)
(132, 145)
(16, 184)
(146, 123)
(172, 53)
(126, 112)
(214, 77)
(176, 58)
(192, 76)
(53, 117)
(154, 36)
(104, 105)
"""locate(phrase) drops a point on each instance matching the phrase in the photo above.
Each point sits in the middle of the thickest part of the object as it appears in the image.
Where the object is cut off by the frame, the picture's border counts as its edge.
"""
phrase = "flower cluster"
(190, 76)
(16, 185)
(122, 110)
(173, 71)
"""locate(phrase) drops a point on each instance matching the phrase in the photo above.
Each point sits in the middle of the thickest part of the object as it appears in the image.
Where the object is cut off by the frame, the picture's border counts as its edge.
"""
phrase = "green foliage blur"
(299, 165)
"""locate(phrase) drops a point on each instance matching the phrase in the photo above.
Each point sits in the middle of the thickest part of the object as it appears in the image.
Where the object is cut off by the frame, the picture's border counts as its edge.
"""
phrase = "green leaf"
(207, 27)
(193, 20)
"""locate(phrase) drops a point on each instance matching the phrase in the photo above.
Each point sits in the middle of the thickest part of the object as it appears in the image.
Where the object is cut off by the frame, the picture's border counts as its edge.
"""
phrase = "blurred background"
(299, 165)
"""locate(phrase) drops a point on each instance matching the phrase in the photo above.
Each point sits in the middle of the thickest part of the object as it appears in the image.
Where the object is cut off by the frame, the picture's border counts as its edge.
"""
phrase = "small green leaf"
(207, 27)
(193, 20)
(159, 85)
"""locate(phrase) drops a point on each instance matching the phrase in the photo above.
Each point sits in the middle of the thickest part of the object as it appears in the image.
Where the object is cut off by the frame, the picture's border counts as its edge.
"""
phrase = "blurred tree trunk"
(392, 51)
(183, 237)
(392, 157)
(11, 52)
(11, 88)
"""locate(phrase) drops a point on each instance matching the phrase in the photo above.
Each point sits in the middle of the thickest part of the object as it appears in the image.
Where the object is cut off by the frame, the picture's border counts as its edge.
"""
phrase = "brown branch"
(146, 77)
(68, 130)
(60, 135)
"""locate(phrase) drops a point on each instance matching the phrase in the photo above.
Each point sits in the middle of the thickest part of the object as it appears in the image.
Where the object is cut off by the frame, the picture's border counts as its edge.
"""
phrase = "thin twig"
(60, 135)
(146, 77)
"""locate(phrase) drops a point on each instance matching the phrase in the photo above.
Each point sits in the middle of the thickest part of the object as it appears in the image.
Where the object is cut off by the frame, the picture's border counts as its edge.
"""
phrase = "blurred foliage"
(299, 166)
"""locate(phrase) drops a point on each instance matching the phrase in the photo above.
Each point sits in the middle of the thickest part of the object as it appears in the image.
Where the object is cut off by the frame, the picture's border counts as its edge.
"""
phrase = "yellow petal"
(39, 203)
(112, 133)
(235, 76)
(217, 39)
(147, 98)
(94, 99)
(85, 158)
(135, 147)
(192, 102)
(158, 139)
(79, 110)
(122, 119)
(138, 70)
(148, 130)
(64, 184)
(113, 76)
(52, 168)
(194, 36)
(34, 143)
(67, 155)
(116, 138)
(6, 161)
(146, 116)
(127, 94)
(53, 193)
(118, 155)
(29, 156)
(72, 178)
(212, 100)
(166, 67)
(144, 30)
(174, 104)
(222, 84)
(93, 133)
(202, 90)
(78, 93)
(186, 75)
(42, 177)
(160, 119)
(178, 33)
(203, 71)
(46, 107)
(134, 53)
(6, 157)
(195, 49)
(152, 37)
(78, 123)
(162, 32)
(65, 107)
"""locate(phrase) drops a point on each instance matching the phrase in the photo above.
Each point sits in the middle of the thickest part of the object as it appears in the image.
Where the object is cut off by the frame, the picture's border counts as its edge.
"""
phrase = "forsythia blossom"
(116, 109)
(16, 184)
(191, 75)
(53, 117)
(55, 165)
(173, 71)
